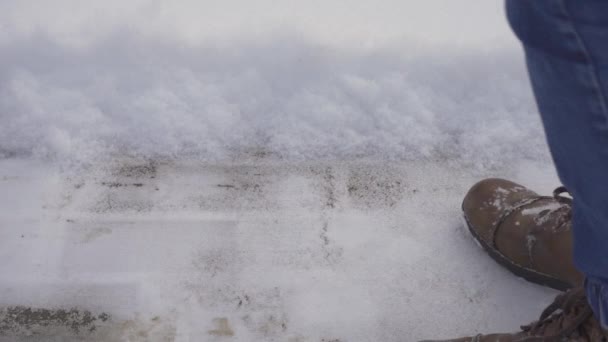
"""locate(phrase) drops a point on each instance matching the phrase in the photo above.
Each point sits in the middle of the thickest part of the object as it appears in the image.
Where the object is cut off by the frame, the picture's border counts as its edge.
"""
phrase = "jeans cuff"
(597, 295)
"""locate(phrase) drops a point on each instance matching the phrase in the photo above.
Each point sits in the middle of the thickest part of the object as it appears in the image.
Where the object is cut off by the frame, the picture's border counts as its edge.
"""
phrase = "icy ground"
(257, 170)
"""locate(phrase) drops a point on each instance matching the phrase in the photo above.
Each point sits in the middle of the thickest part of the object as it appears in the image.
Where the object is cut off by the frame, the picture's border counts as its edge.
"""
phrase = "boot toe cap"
(488, 200)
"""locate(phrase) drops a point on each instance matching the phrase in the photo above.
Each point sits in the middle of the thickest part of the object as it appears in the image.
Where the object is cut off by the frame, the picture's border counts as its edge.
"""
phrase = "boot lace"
(558, 195)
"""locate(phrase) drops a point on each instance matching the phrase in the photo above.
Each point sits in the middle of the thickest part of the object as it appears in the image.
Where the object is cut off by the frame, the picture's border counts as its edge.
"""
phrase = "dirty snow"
(257, 171)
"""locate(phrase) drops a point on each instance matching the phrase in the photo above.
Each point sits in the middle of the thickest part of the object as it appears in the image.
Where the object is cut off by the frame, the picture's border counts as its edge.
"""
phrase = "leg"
(567, 56)
(566, 48)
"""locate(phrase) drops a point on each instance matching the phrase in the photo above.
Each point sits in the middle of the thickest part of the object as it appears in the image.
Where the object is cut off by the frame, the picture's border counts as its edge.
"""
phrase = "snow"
(352, 251)
(284, 97)
(260, 171)
(548, 208)
(294, 94)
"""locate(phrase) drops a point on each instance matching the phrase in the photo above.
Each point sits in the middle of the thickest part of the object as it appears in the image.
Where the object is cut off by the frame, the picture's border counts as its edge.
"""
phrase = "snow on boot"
(527, 233)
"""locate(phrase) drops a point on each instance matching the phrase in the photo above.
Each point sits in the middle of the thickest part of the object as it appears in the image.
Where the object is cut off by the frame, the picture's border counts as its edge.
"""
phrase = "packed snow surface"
(257, 171)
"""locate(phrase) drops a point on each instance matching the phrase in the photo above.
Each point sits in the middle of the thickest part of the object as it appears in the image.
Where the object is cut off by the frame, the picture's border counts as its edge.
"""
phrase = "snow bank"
(296, 95)
(281, 96)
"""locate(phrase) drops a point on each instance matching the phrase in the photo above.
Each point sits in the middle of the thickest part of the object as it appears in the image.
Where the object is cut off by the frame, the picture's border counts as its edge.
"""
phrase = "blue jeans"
(566, 47)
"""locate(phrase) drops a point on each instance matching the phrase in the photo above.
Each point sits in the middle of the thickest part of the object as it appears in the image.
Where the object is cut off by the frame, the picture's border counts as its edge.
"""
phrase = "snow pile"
(282, 95)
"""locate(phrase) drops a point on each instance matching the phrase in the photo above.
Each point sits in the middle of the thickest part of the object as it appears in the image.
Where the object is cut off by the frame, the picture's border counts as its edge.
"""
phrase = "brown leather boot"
(527, 233)
(569, 318)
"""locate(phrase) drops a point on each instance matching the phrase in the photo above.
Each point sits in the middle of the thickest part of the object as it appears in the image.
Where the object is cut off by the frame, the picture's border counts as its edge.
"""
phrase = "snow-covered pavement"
(258, 251)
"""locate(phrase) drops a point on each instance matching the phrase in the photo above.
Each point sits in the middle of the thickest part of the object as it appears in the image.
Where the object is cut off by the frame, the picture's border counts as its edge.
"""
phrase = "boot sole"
(522, 272)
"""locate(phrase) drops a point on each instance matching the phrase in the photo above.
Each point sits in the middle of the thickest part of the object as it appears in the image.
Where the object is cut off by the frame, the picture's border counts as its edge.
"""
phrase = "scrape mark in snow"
(24, 323)
(330, 188)
(332, 254)
(27, 320)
